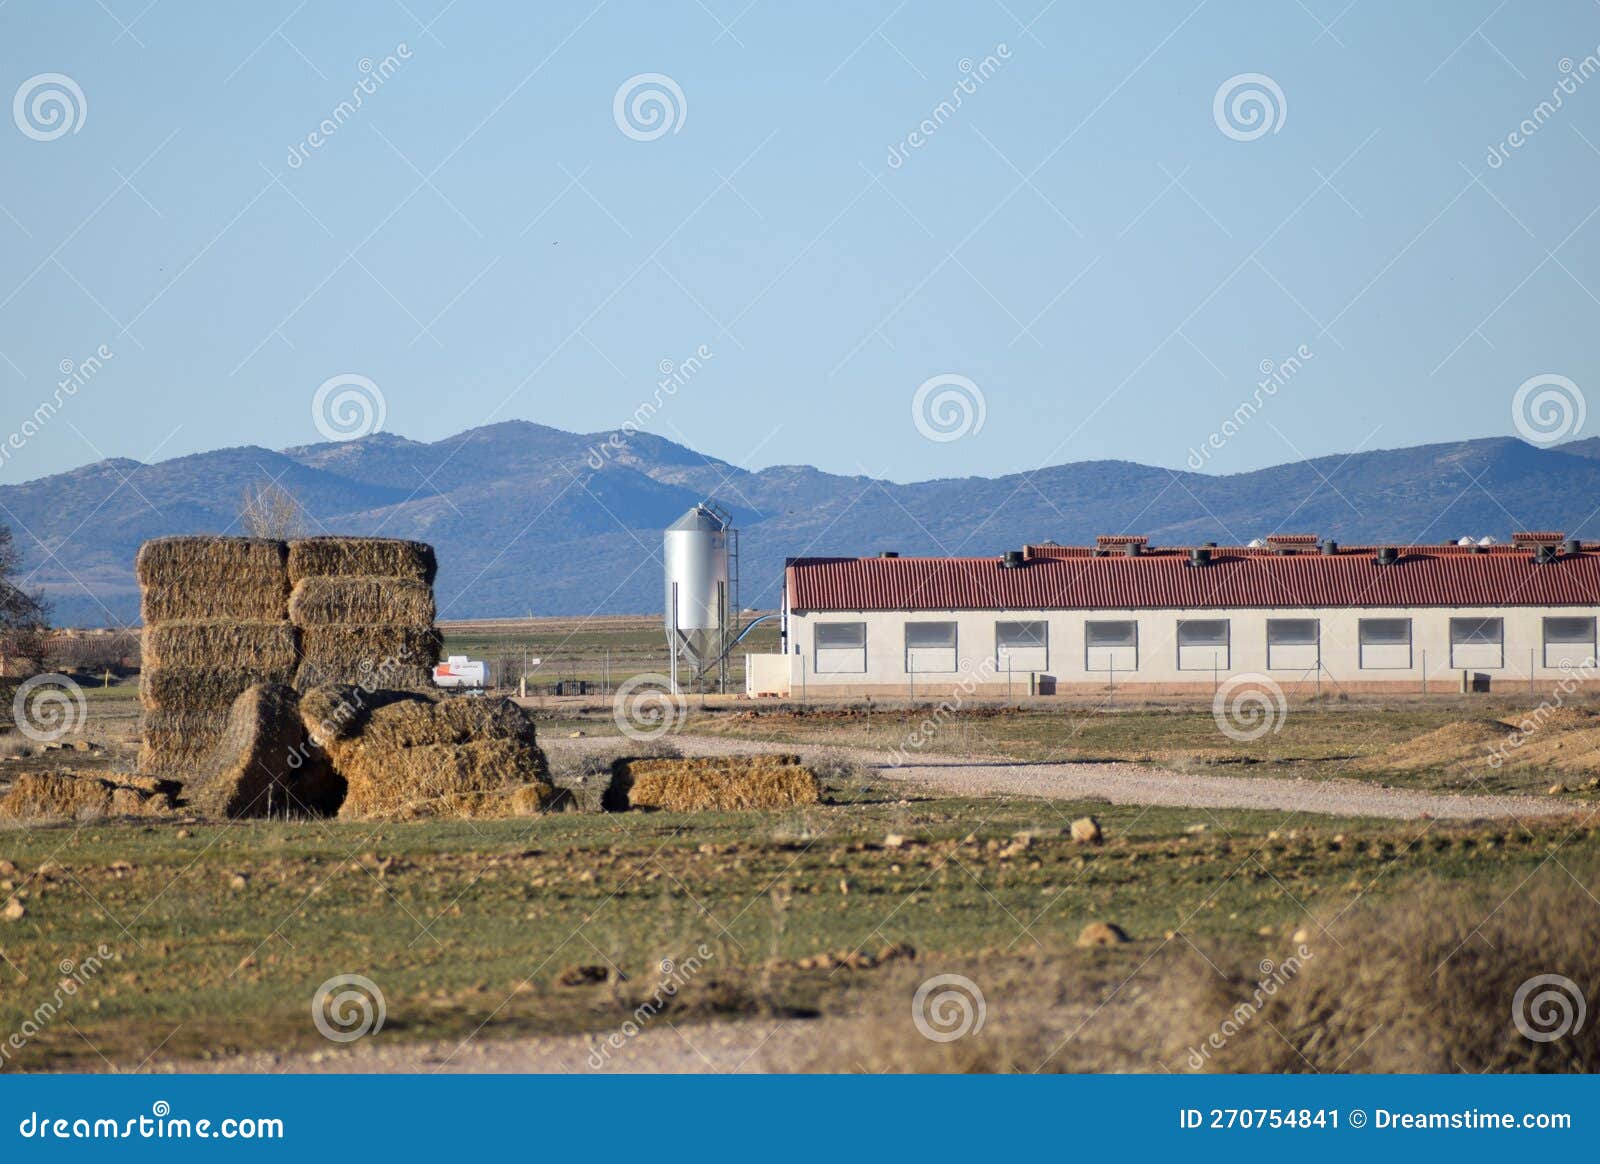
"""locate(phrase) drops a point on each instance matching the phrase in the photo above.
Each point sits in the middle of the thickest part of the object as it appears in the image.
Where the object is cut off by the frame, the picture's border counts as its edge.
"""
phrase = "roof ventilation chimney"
(889, 554)
(1200, 556)
(1544, 555)
(1574, 546)
(1133, 549)
(1330, 548)
(1012, 560)
(1387, 556)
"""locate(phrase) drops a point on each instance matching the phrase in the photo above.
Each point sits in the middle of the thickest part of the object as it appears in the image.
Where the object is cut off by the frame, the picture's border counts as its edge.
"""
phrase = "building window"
(1385, 644)
(841, 648)
(1569, 642)
(1202, 644)
(1022, 646)
(930, 647)
(1293, 644)
(1111, 646)
(1477, 642)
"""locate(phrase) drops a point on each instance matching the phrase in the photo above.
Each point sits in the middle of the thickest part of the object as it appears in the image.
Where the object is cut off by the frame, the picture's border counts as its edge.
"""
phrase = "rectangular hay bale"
(391, 783)
(213, 578)
(713, 784)
(221, 643)
(209, 690)
(377, 655)
(324, 601)
(361, 557)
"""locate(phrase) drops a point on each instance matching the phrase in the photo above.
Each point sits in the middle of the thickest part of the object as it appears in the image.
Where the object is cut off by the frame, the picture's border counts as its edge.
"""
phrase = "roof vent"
(1387, 556)
(1291, 543)
(1574, 546)
(1133, 549)
(1330, 548)
(1544, 555)
(1117, 541)
(889, 554)
(1200, 556)
(1012, 560)
(1531, 539)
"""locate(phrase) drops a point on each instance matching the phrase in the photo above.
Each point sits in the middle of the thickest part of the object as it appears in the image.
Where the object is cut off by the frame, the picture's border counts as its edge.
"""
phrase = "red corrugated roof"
(1070, 578)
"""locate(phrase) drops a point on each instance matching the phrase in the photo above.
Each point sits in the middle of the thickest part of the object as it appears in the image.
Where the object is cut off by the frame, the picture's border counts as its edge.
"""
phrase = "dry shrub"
(324, 601)
(221, 644)
(712, 784)
(1426, 984)
(263, 764)
(361, 557)
(387, 656)
(184, 578)
(68, 796)
(434, 779)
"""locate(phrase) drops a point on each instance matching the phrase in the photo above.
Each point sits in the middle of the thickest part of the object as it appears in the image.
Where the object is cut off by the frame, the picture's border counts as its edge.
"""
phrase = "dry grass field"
(216, 935)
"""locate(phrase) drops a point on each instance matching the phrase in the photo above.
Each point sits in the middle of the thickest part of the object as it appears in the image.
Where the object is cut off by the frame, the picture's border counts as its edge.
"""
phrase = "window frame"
(817, 648)
(1362, 644)
(1226, 662)
(1315, 643)
(954, 648)
(1593, 641)
(1501, 642)
(1088, 646)
(1001, 653)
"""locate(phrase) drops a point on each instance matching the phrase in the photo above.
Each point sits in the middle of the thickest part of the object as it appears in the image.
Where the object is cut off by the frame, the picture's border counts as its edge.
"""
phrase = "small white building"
(1308, 614)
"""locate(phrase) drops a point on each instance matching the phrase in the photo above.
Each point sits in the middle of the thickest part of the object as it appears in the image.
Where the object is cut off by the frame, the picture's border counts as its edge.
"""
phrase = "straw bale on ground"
(323, 601)
(69, 796)
(263, 764)
(361, 557)
(712, 784)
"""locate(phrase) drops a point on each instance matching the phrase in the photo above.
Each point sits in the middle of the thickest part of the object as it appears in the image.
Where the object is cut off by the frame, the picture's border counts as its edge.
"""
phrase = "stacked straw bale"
(265, 763)
(363, 609)
(711, 784)
(410, 756)
(216, 621)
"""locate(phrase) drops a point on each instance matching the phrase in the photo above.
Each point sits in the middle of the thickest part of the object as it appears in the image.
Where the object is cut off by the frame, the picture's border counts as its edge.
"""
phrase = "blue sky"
(1080, 241)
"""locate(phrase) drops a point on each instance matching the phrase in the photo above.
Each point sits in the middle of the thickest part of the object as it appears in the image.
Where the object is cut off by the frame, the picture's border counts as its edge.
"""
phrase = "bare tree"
(268, 510)
(24, 619)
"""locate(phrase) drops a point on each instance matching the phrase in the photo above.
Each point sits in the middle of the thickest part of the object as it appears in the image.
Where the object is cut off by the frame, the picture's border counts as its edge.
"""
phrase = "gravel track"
(1127, 783)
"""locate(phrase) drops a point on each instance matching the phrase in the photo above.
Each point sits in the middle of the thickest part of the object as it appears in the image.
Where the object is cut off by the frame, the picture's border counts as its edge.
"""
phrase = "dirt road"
(1126, 783)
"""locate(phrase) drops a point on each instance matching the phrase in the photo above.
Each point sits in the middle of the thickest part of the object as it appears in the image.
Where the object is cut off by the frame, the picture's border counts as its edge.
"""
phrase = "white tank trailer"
(700, 553)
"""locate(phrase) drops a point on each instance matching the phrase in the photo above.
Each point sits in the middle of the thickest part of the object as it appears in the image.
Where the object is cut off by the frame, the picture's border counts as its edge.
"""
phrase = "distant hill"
(524, 521)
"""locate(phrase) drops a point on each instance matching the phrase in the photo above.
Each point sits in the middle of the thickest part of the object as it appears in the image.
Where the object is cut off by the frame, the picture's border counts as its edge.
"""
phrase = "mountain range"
(531, 519)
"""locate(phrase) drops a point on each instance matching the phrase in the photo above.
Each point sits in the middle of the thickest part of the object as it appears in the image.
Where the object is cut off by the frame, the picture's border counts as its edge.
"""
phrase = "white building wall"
(1338, 660)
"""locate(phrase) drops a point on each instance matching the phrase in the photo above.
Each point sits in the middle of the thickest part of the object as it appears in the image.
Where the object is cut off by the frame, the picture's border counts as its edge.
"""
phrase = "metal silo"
(699, 551)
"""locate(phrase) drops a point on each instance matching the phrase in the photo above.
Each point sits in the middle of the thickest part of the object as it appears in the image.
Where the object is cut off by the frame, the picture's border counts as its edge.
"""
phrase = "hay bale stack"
(364, 608)
(183, 578)
(216, 613)
(264, 764)
(415, 757)
(224, 615)
(712, 784)
(68, 796)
